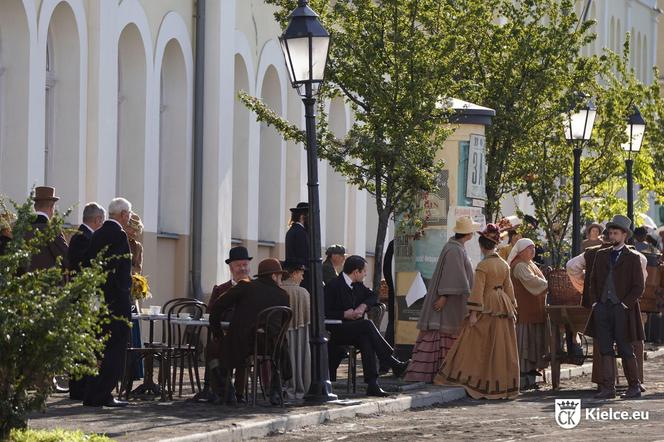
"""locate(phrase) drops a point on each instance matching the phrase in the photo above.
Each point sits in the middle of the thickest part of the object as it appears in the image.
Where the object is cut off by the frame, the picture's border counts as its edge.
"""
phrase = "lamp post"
(305, 46)
(636, 127)
(578, 130)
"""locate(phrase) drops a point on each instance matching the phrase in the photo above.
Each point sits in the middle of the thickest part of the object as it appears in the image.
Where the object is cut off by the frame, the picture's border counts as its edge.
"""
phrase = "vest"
(609, 293)
(530, 308)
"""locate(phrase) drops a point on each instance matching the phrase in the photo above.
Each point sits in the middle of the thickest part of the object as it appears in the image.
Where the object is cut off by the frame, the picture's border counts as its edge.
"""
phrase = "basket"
(561, 290)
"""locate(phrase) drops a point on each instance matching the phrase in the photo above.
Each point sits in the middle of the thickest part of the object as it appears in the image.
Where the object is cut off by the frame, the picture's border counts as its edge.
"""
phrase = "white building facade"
(97, 99)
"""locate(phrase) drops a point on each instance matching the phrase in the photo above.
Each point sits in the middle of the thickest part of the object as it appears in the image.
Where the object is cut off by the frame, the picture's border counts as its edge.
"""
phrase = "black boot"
(398, 367)
(374, 390)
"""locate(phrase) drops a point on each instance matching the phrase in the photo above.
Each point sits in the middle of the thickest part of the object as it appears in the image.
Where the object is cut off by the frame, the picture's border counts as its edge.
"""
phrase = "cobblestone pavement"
(531, 416)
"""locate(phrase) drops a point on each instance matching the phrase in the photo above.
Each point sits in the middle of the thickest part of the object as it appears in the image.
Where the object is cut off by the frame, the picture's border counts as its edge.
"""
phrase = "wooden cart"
(572, 317)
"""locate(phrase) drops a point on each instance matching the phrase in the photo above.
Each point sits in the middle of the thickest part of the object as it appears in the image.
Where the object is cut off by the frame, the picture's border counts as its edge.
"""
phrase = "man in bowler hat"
(616, 285)
(239, 265)
(297, 240)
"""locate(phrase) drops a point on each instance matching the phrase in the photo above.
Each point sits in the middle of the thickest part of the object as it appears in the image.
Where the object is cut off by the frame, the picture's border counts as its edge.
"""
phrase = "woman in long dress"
(444, 306)
(530, 288)
(298, 332)
(134, 235)
(484, 359)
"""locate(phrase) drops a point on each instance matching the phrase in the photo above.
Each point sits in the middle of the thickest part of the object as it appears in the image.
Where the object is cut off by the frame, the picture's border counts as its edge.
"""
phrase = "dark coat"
(297, 244)
(117, 288)
(589, 256)
(47, 256)
(217, 292)
(329, 273)
(629, 284)
(214, 348)
(339, 297)
(248, 298)
(78, 245)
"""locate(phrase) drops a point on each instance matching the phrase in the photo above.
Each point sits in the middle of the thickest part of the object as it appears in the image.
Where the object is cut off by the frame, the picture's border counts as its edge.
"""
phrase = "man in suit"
(46, 258)
(335, 255)
(117, 295)
(616, 284)
(239, 265)
(297, 240)
(93, 218)
(348, 299)
(248, 298)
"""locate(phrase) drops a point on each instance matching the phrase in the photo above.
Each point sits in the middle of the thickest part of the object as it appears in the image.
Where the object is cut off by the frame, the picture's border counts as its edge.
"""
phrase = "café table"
(149, 386)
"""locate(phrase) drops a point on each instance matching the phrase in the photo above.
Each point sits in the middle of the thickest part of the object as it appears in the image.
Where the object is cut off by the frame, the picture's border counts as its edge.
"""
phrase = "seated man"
(248, 298)
(347, 298)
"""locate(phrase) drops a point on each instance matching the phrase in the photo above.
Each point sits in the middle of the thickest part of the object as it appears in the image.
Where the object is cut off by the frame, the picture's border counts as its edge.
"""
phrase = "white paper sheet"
(416, 291)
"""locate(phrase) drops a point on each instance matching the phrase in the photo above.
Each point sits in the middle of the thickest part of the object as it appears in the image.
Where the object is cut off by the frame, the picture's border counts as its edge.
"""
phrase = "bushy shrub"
(56, 435)
(49, 322)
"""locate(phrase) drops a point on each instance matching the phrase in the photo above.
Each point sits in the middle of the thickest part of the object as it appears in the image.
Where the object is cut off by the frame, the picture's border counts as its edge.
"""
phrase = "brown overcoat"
(48, 254)
(629, 284)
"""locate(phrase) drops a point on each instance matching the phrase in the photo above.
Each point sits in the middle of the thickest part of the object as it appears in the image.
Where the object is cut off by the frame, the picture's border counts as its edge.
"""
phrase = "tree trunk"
(383, 219)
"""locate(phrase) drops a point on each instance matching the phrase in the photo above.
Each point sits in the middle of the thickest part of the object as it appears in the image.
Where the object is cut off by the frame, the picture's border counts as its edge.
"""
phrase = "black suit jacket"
(78, 245)
(297, 243)
(117, 288)
(339, 297)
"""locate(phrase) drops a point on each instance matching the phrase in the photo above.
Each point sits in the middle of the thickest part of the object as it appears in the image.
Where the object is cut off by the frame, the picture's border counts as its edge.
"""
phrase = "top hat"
(335, 249)
(269, 266)
(45, 193)
(465, 225)
(293, 264)
(301, 207)
(238, 253)
(491, 232)
(620, 222)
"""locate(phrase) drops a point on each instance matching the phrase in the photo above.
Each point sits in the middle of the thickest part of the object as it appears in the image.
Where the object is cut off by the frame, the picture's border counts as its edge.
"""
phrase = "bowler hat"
(293, 264)
(269, 266)
(45, 193)
(238, 253)
(301, 207)
(620, 222)
(465, 225)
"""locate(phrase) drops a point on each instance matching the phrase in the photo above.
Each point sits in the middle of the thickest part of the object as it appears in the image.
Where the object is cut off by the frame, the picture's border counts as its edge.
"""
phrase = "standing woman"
(484, 358)
(444, 306)
(530, 288)
(134, 235)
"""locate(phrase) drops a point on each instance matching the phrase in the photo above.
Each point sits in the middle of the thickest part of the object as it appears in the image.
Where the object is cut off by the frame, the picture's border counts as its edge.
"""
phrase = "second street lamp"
(578, 130)
(636, 128)
(305, 45)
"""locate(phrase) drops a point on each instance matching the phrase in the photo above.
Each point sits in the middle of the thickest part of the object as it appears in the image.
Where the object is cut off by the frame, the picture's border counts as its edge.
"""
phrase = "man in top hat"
(111, 238)
(334, 262)
(239, 263)
(297, 239)
(248, 298)
(616, 284)
(44, 204)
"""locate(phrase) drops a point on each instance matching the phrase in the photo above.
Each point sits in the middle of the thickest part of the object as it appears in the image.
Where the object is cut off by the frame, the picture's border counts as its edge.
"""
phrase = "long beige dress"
(484, 359)
(298, 339)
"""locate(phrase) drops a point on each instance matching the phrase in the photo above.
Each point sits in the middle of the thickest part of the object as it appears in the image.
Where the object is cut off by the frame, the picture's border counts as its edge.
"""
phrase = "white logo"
(568, 412)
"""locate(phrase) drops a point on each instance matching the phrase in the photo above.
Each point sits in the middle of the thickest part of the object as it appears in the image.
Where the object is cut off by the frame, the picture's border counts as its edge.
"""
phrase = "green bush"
(56, 435)
(49, 322)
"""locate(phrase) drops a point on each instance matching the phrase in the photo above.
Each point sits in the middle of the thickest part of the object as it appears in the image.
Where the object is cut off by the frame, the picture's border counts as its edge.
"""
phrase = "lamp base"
(320, 392)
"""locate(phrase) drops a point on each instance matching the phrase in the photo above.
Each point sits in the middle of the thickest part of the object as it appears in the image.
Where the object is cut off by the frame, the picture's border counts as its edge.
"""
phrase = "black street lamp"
(578, 130)
(305, 46)
(636, 128)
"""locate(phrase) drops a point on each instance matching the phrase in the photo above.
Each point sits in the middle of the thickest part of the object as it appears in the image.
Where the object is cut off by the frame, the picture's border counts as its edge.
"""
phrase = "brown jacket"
(492, 292)
(629, 284)
(531, 308)
(48, 254)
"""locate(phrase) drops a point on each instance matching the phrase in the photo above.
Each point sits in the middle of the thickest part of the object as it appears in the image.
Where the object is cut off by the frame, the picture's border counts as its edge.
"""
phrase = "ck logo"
(568, 412)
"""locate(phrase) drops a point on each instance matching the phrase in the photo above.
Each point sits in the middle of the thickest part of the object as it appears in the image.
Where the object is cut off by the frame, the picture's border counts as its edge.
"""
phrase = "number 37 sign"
(475, 186)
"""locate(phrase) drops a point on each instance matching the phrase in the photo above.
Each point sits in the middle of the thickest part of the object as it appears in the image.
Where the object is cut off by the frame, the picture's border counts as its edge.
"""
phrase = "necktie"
(615, 254)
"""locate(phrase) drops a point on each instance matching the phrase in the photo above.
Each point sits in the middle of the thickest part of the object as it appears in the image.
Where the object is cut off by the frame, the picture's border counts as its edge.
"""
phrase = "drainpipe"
(197, 206)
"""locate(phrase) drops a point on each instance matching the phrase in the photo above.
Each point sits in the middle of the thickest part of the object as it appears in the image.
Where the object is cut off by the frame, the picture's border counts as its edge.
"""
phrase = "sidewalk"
(184, 421)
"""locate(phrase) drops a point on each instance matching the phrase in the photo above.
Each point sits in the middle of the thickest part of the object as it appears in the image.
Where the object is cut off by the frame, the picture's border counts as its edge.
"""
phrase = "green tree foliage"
(392, 61)
(49, 322)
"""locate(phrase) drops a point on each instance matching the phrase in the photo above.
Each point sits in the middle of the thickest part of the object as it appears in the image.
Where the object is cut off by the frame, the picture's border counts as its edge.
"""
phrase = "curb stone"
(247, 430)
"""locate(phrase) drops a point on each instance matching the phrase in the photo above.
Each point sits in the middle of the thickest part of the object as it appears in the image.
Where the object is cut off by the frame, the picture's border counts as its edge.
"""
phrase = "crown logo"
(568, 405)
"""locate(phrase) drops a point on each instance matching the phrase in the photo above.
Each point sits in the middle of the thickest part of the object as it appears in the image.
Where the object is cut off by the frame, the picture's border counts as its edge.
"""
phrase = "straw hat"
(465, 225)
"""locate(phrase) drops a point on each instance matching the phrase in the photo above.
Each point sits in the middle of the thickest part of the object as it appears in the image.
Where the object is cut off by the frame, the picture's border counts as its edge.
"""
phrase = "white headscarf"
(519, 247)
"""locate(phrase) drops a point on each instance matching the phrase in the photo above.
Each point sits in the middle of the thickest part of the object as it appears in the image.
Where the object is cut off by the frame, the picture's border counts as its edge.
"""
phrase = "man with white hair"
(117, 295)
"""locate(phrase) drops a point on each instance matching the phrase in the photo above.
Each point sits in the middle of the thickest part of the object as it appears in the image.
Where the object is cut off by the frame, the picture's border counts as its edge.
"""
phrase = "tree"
(525, 62)
(47, 326)
(392, 61)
